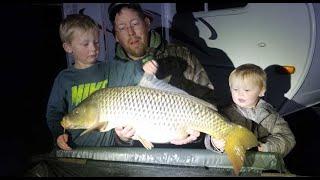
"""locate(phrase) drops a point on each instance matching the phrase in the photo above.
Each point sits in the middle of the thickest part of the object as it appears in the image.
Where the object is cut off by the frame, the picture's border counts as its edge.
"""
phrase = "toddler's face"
(245, 94)
(84, 47)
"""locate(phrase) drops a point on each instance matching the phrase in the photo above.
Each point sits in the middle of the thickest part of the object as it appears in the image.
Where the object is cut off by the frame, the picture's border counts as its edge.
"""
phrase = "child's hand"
(150, 67)
(219, 144)
(62, 142)
(261, 149)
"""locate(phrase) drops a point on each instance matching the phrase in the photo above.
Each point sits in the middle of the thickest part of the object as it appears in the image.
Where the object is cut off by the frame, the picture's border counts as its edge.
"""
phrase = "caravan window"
(217, 6)
(200, 7)
(189, 7)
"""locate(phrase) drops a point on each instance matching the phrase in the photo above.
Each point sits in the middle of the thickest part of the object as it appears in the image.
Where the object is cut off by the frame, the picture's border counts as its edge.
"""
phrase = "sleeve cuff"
(209, 145)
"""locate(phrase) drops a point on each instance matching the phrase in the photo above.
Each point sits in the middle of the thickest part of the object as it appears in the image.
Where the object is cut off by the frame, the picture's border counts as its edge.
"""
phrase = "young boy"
(80, 37)
(247, 85)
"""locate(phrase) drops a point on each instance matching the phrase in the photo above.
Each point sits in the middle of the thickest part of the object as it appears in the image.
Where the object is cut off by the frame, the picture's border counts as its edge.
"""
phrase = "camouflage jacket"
(177, 65)
(272, 131)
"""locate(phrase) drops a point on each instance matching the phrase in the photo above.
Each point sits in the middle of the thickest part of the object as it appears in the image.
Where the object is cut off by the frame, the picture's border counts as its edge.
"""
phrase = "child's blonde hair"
(75, 21)
(249, 73)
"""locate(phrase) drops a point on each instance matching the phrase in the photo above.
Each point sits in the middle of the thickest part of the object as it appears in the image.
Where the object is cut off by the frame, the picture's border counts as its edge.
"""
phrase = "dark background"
(31, 58)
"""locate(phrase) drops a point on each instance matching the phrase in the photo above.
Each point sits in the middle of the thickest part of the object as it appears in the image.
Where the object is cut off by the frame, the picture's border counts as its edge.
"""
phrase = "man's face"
(131, 32)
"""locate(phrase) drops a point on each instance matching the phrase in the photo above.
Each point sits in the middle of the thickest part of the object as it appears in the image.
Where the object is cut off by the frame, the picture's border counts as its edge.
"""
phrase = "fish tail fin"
(237, 142)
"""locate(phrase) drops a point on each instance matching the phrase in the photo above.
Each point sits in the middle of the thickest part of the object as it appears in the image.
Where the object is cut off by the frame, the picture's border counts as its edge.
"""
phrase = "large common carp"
(159, 116)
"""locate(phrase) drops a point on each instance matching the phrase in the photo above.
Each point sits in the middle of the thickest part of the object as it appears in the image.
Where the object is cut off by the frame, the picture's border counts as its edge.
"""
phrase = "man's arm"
(194, 70)
(125, 73)
(123, 136)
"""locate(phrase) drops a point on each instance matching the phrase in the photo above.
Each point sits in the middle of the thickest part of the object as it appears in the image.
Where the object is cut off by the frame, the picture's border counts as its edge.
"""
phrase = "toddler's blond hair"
(73, 22)
(249, 73)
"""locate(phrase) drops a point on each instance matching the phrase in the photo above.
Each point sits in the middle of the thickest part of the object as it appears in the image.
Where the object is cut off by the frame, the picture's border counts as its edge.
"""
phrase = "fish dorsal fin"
(98, 126)
(167, 79)
(203, 102)
(151, 81)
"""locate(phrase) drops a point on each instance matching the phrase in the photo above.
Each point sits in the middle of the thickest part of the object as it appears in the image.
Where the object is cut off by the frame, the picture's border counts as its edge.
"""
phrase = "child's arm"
(55, 111)
(281, 138)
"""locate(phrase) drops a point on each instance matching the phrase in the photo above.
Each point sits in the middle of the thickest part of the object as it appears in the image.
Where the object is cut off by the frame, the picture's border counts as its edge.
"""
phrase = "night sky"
(33, 56)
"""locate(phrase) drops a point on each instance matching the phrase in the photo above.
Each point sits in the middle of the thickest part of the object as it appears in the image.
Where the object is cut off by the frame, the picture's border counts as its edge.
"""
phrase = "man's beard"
(138, 51)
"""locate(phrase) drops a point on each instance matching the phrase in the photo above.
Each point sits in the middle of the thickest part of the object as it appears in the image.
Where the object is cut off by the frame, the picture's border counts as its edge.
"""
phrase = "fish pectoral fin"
(105, 127)
(99, 125)
(147, 144)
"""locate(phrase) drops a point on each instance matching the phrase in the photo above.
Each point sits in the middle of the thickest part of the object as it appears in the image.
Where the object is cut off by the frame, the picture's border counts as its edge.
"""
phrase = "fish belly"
(160, 135)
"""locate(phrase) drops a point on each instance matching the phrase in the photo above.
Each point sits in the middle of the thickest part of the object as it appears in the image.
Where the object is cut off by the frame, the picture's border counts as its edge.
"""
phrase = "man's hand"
(150, 67)
(193, 135)
(125, 133)
(62, 142)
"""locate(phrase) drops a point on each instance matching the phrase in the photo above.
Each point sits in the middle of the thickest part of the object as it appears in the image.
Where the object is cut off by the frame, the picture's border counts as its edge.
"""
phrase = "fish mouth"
(64, 123)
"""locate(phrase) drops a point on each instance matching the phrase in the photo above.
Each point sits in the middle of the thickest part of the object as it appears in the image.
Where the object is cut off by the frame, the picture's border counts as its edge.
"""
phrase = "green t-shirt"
(72, 85)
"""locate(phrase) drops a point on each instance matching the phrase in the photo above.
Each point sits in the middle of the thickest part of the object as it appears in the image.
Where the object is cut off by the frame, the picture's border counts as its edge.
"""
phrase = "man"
(175, 63)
